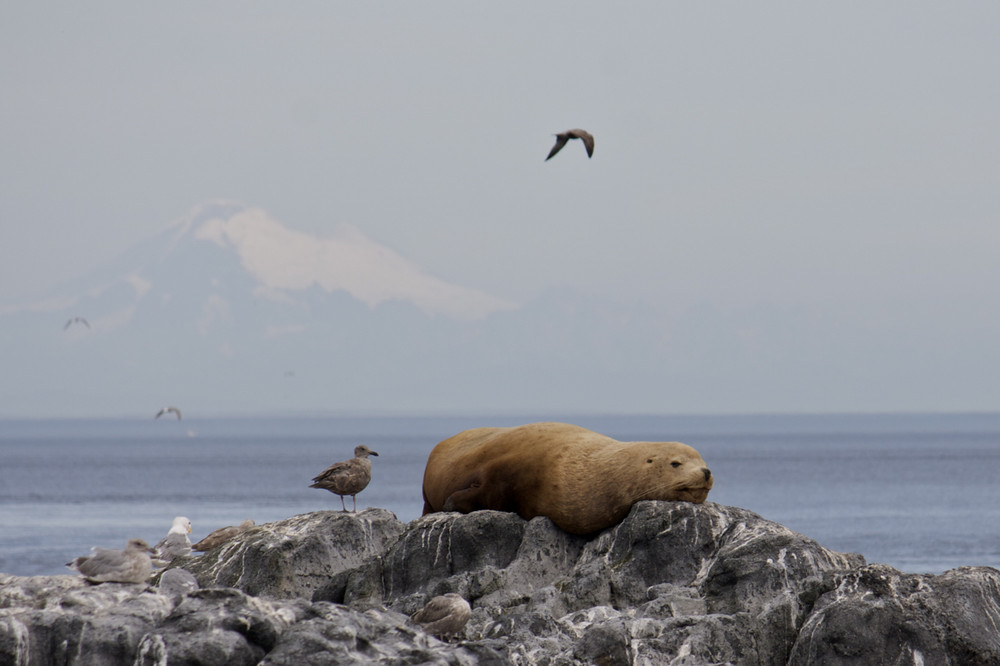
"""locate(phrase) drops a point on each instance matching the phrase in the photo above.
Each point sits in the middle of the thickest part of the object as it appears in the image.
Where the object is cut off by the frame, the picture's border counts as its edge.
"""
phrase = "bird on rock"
(349, 477)
(563, 137)
(107, 565)
(221, 536)
(175, 544)
(444, 616)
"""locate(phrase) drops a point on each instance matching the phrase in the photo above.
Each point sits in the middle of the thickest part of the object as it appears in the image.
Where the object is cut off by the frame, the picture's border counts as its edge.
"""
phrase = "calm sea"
(918, 492)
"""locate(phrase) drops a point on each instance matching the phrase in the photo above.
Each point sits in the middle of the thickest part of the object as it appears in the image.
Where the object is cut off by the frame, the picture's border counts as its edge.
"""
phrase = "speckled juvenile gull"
(349, 477)
(175, 544)
(168, 410)
(444, 616)
(563, 137)
(221, 536)
(107, 565)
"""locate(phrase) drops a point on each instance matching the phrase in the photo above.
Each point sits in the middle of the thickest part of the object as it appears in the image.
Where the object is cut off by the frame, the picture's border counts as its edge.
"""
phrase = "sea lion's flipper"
(467, 499)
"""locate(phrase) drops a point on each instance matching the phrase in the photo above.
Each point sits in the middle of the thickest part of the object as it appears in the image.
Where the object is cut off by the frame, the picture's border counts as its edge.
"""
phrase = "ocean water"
(918, 492)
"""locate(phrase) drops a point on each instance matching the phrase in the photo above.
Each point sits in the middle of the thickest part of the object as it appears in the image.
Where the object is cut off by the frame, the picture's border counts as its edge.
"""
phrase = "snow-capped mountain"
(228, 310)
(228, 297)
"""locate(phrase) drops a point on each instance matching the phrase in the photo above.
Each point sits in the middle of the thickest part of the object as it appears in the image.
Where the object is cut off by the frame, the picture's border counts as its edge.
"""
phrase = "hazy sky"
(843, 158)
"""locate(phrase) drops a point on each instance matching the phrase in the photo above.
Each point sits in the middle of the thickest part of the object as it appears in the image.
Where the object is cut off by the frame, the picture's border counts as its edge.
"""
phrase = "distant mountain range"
(229, 311)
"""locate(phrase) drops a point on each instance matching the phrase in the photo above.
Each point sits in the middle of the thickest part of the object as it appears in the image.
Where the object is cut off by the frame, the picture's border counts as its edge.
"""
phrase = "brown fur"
(582, 480)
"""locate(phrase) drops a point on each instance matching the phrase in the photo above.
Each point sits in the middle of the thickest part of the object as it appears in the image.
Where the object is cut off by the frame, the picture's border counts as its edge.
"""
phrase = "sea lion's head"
(676, 470)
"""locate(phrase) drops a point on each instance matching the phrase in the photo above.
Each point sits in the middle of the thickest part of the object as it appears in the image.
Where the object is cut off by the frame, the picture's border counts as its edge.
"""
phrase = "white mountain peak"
(284, 260)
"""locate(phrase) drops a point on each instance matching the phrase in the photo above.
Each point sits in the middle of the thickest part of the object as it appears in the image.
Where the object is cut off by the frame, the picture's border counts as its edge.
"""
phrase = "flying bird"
(76, 320)
(221, 536)
(167, 410)
(444, 616)
(175, 544)
(563, 137)
(107, 565)
(349, 477)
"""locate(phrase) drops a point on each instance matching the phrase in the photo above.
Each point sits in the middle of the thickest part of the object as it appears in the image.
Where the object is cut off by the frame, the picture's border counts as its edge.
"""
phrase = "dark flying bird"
(107, 565)
(349, 477)
(167, 410)
(563, 137)
(444, 616)
(76, 320)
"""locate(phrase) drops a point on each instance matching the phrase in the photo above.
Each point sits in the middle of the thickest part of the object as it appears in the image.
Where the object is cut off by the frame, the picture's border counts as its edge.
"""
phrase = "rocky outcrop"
(293, 557)
(877, 615)
(714, 583)
(674, 583)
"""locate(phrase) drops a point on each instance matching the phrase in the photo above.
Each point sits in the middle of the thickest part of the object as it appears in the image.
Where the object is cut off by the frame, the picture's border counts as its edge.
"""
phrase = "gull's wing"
(561, 140)
(436, 609)
(334, 470)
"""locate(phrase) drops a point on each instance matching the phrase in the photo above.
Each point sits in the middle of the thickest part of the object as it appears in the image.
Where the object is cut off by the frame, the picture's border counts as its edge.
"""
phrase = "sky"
(841, 160)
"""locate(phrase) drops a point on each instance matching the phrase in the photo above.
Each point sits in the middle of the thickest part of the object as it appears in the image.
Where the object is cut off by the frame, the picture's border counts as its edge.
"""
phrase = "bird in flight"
(167, 410)
(76, 320)
(563, 137)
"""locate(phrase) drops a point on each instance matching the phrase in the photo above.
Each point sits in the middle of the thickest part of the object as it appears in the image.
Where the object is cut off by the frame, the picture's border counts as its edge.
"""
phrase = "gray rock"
(672, 583)
(293, 557)
(878, 615)
(65, 620)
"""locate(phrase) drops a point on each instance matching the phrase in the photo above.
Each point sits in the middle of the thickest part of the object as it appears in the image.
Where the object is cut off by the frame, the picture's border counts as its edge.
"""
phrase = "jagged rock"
(674, 583)
(63, 620)
(742, 585)
(878, 615)
(293, 557)
(66, 620)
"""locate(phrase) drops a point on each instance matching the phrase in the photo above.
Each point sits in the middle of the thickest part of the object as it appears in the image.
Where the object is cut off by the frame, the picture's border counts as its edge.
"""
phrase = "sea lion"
(582, 480)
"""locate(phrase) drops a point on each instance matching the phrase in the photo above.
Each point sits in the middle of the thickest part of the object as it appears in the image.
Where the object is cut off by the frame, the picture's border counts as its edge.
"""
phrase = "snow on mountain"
(232, 309)
(284, 261)
(229, 311)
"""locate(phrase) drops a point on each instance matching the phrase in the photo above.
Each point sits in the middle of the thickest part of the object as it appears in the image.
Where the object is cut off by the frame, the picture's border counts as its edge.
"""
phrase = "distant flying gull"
(167, 410)
(563, 137)
(175, 544)
(221, 536)
(76, 320)
(349, 477)
(444, 616)
(107, 565)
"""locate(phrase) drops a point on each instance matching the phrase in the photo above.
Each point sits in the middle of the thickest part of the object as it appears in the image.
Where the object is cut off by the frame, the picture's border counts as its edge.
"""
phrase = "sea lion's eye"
(650, 460)
(675, 464)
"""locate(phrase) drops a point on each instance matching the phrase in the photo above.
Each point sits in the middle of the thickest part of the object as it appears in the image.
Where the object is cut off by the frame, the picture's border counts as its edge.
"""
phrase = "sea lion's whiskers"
(656, 489)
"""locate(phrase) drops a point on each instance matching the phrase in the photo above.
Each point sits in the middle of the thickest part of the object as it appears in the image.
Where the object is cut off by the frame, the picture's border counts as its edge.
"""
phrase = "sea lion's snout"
(707, 472)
